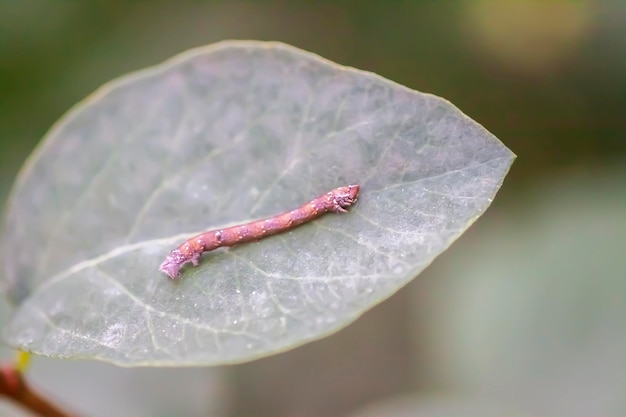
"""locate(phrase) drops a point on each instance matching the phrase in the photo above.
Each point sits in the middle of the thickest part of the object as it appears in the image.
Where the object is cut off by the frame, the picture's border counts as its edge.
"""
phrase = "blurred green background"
(527, 310)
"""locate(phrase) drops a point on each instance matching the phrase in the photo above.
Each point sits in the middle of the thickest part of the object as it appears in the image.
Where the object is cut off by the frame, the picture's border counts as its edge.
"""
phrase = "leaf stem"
(14, 386)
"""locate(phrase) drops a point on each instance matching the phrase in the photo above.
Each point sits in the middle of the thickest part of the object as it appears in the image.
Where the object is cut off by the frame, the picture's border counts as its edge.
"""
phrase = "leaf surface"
(219, 136)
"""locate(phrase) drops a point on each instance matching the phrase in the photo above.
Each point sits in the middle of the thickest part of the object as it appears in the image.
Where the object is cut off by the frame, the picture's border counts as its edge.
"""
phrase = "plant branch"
(14, 386)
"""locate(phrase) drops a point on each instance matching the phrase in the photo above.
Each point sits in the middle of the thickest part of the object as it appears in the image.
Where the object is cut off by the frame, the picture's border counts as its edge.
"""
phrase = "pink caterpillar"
(336, 201)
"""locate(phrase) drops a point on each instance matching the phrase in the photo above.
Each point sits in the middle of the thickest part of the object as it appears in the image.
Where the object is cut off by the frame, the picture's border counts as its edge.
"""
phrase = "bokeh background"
(524, 315)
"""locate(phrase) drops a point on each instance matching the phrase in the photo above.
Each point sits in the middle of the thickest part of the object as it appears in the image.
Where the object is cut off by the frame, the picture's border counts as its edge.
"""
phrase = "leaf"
(215, 137)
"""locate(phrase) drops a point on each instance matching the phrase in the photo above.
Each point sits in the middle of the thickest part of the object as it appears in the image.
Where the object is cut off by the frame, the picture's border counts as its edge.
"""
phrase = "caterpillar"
(336, 201)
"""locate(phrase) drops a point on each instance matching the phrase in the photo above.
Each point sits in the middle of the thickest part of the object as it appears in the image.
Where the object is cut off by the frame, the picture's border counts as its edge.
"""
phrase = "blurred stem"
(14, 386)
(22, 362)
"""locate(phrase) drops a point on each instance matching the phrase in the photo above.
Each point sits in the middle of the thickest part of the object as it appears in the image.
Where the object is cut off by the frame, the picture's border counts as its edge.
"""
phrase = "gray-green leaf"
(224, 135)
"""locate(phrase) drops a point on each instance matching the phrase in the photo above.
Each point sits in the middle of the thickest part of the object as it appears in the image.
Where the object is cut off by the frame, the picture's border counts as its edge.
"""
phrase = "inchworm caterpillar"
(336, 201)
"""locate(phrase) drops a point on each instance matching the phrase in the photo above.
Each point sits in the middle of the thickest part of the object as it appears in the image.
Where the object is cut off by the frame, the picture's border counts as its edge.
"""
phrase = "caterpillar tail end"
(172, 264)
